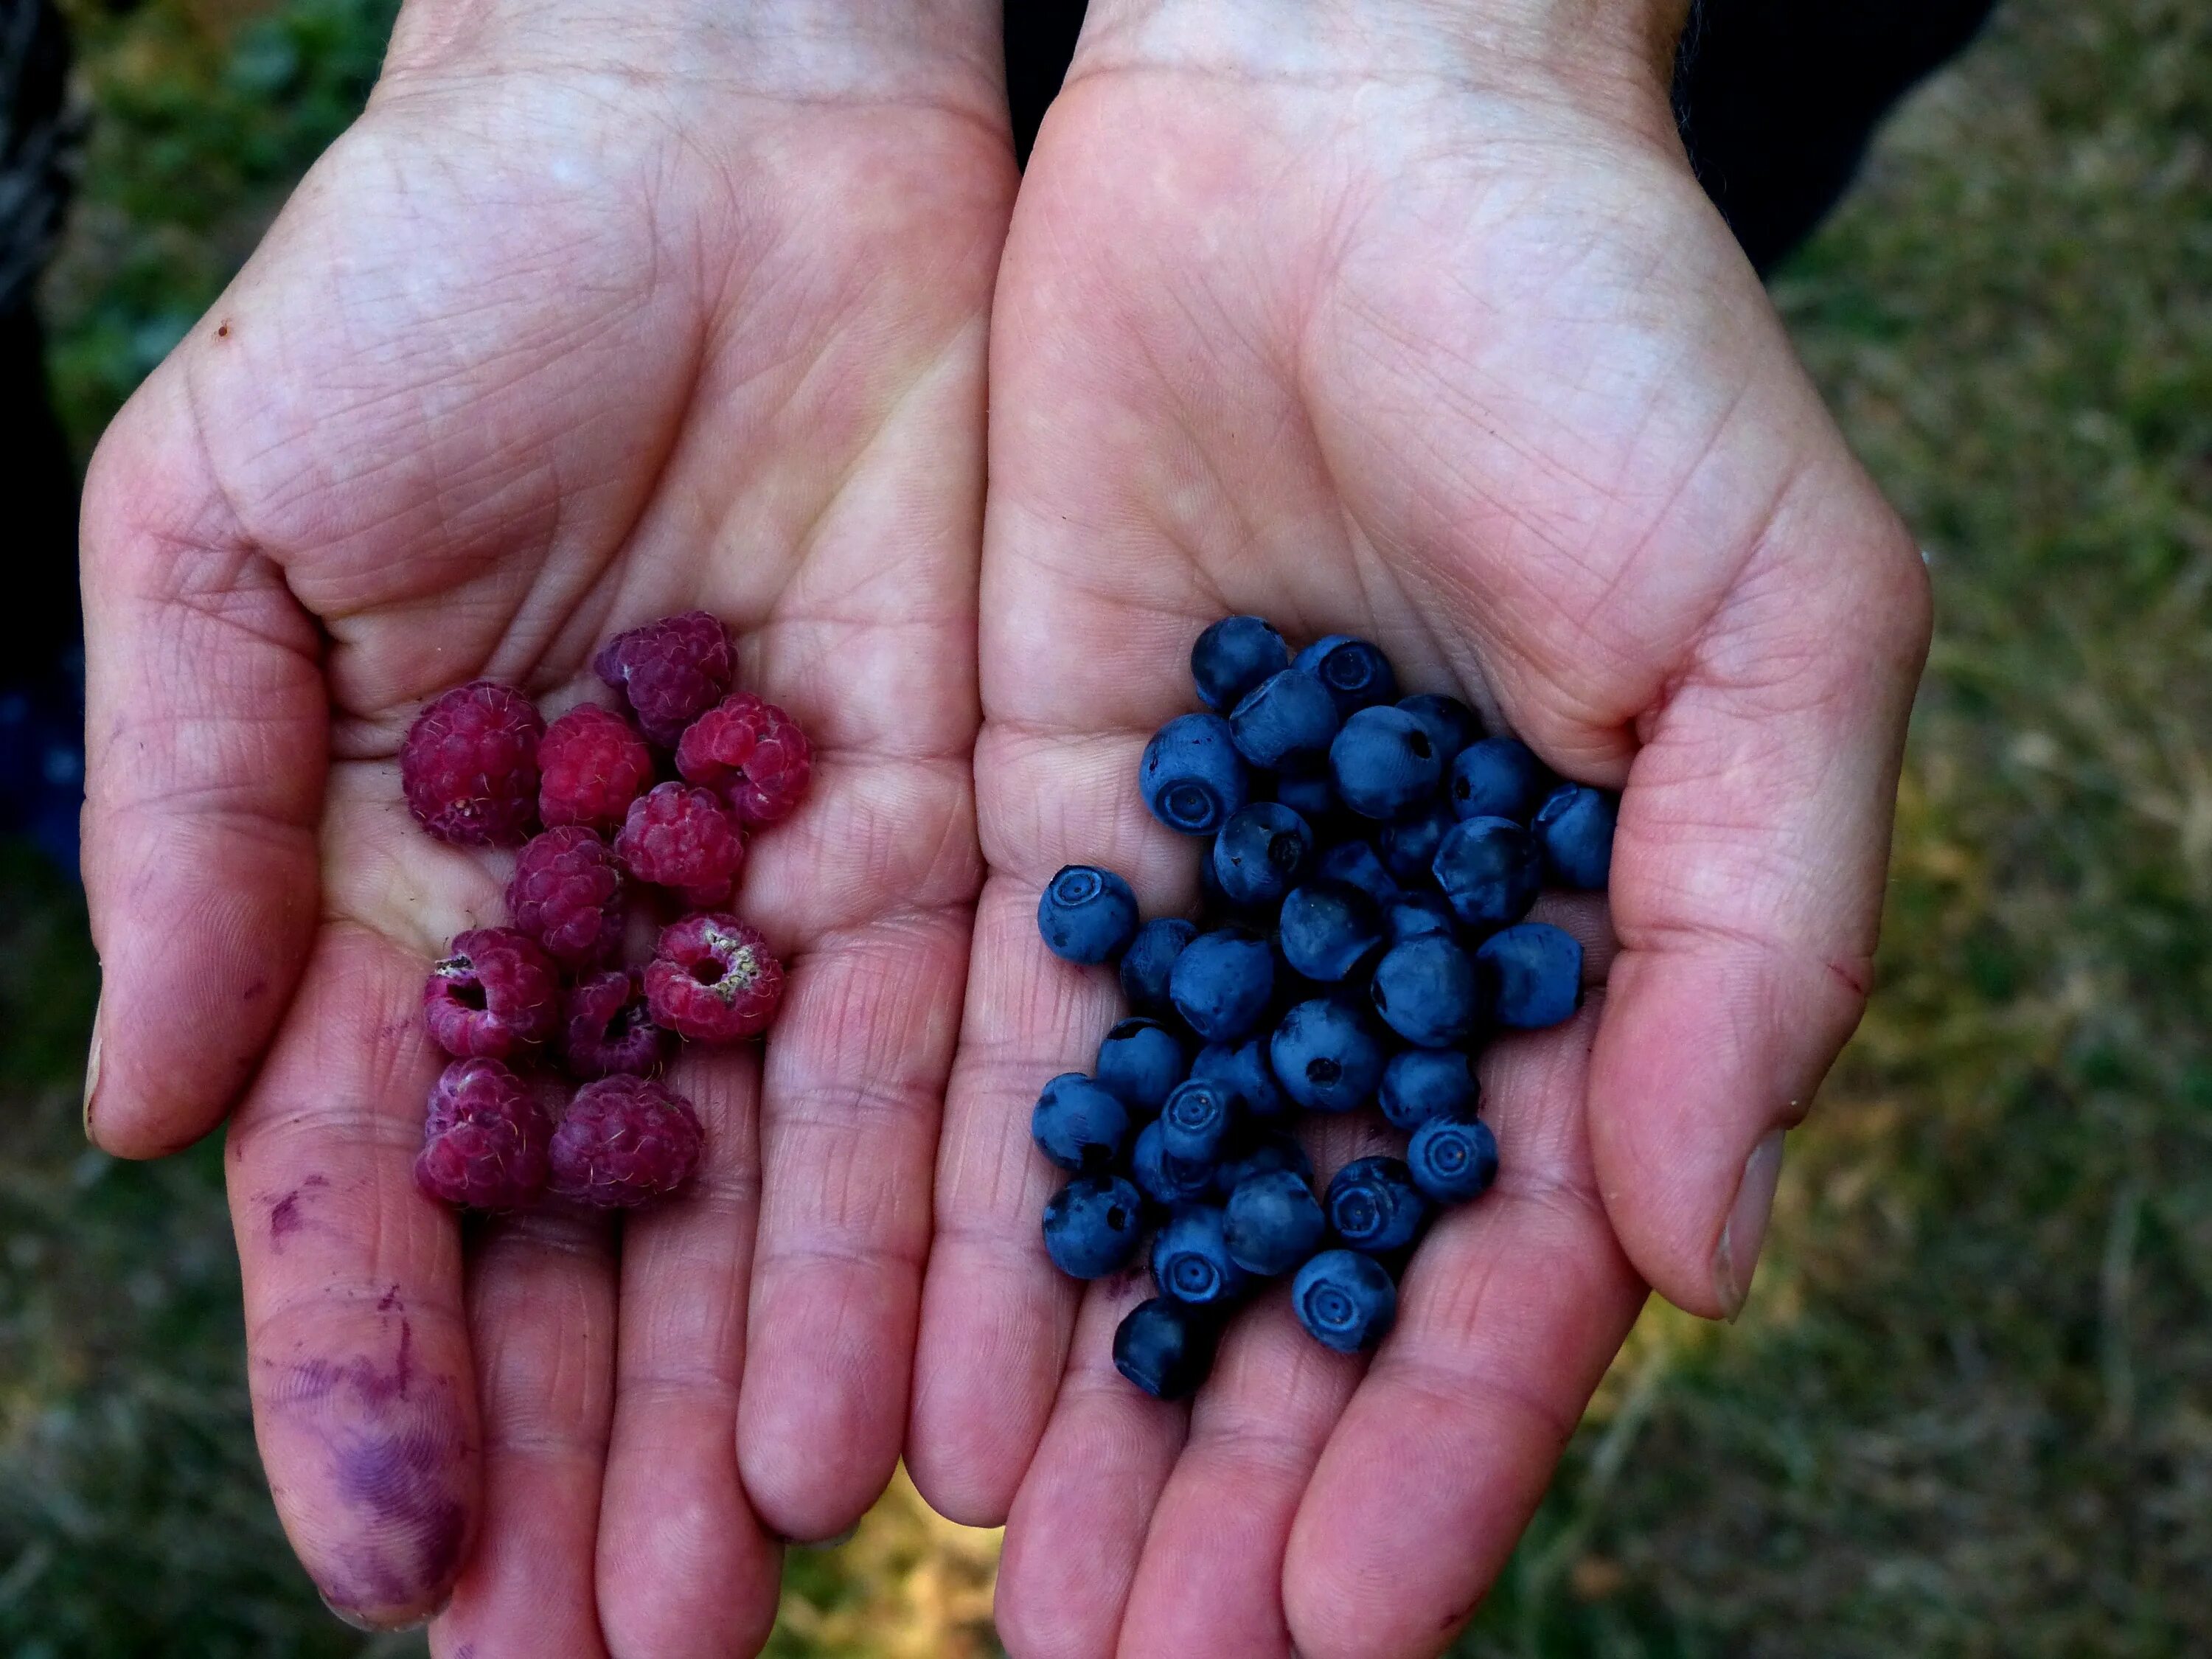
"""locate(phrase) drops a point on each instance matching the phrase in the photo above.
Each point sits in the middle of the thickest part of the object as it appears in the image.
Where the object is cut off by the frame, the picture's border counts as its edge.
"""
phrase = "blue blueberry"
(1496, 778)
(1427, 992)
(1345, 1300)
(1087, 914)
(1409, 845)
(1262, 1154)
(1285, 722)
(1192, 778)
(1190, 1258)
(1417, 915)
(1195, 1121)
(1574, 826)
(1489, 870)
(1093, 1226)
(1327, 1056)
(1078, 1124)
(1452, 725)
(1357, 674)
(1326, 929)
(1241, 1070)
(1140, 1061)
(1419, 1084)
(1274, 1222)
(1311, 794)
(1221, 982)
(1356, 864)
(1165, 1347)
(1384, 763)
(1533, 974)
(1168, 1183)
(1233, 656)
(1373, 1205)
(1453, 1159)
(1150, 958)
(1260, 853)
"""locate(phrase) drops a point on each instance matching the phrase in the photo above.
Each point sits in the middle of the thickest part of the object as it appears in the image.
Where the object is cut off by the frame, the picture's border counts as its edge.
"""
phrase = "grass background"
(1969, 1411)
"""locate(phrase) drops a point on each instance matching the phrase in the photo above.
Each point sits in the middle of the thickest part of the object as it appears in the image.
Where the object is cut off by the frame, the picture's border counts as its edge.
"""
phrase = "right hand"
(584, 322)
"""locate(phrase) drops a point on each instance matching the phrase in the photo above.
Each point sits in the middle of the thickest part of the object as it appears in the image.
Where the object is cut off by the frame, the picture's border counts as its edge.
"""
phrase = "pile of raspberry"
(558, 1042)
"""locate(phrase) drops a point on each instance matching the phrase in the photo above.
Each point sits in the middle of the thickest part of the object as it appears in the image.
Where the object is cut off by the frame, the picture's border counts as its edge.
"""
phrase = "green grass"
(1969, 1411)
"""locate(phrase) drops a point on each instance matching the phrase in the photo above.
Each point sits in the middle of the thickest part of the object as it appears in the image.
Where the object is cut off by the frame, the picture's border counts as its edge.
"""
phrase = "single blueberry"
(1093, 1226)
(1233, 656)
(1327, 1056)
(1373, 1205)
(1419, 1084)
(1495, 778)
(1533, 974)
(1452, 725)
(1357, 674)
(1417, 915)
(1259, 853)
(1574, 826)
(1274, 1222)
(1078, 1124)
(1285, 722)
(1409, 845)
(1195, 1121)
(1311, 794)
(1357, 863)
(1242, 1072)
(1326, 929)
(1190, 1258)
(1192, 778)
(1168, 1183)
(1262, 1154)
(1489, 870)
(1384, 763)
(1427, 992)
(1149, 959)
(1345, 1300)
(1140, 1061)
(1221, 982)
(1086, 914)
(1165, 1347)
(1453, 1159)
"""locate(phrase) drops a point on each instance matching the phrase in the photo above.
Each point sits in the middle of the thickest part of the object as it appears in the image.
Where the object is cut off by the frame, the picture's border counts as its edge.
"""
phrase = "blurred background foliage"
(1969, 1411)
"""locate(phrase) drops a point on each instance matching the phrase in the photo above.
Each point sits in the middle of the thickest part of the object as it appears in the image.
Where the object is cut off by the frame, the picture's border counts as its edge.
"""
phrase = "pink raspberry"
(672, 671)
(681, 837)
(624, 1141)
(496, 994)
(607, 1028)
(591, 766)
(711, 979)
(469, 765)
(485, 1142)
(750, 750)
(566, 893)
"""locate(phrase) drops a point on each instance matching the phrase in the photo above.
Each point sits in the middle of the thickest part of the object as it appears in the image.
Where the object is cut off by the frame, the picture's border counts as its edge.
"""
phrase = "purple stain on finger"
(285, 1217)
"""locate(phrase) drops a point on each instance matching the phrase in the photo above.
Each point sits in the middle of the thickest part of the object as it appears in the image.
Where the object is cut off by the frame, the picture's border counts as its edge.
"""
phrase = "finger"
(1508, 1316)
(1747, 887)
(364, 1403)
(206, 734)
(684, 1567)
(1078, 1522)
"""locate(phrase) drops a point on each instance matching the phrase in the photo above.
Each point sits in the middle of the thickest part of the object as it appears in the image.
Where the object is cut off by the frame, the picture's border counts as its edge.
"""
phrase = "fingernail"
(1737, 1257)
(92, 1066)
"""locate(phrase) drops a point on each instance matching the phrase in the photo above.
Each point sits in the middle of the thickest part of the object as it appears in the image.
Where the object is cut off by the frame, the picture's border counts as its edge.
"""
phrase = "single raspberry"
(591, 767)
(607, 1027)
(566, 893)
(683, 838)
(671, 671)
(495, 994)
(624, 1141)
(750, 750)
(712, 979)
(486, 1140)
(469, 765)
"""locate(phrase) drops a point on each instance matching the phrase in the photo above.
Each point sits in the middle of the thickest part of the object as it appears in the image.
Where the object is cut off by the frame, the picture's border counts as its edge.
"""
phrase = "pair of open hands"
(1367, 315)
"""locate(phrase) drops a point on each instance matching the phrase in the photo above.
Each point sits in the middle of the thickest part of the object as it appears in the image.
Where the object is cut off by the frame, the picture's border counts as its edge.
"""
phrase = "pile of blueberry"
(1369, 861)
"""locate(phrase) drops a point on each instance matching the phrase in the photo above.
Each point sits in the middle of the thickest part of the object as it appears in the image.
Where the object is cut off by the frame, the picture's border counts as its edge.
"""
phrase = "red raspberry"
(495, 994)
(682, 837)
(469, 765)
(750, 750)
(624, 1141)
(672, 671)
(486, 1141)
(592, 766)
(566, 893)
(712, 979)
(607, 1028)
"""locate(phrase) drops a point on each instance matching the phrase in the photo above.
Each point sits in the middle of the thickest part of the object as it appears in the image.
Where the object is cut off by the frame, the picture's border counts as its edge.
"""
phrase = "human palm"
(564, 335)
(1293, 322)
